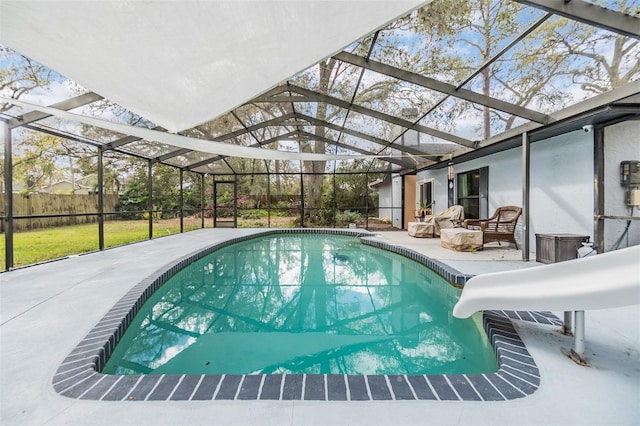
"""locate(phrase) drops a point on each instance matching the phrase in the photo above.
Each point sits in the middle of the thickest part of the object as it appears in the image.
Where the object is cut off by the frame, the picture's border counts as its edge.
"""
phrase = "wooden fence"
(54, 204)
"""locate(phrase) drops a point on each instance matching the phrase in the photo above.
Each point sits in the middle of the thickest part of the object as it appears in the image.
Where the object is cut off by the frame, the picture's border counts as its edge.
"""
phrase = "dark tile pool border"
(79, 374)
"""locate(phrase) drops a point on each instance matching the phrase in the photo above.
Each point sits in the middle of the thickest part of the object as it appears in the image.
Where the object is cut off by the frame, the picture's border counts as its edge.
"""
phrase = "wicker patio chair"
(499, 227)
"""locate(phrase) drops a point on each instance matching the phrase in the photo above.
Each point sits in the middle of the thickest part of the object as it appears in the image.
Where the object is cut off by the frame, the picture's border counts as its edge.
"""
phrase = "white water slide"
(607, 280)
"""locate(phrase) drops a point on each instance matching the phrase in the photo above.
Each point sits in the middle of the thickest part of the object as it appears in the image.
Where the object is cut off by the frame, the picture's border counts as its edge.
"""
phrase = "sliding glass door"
(473, 193)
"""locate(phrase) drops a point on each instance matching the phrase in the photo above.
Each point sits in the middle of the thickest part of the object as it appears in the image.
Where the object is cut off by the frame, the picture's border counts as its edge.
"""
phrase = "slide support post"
(568, 321)
(579, 334)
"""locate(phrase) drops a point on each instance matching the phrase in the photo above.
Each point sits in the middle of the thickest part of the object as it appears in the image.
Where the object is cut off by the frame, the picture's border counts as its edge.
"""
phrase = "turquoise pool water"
(303, 303)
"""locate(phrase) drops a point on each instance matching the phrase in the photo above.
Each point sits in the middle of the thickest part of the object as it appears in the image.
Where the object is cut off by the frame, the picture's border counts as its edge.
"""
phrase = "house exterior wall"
(59, 188)
(390, 200)
(385, 200)
(440, 201)
(622, 143)
(561, 184)
(561, 194)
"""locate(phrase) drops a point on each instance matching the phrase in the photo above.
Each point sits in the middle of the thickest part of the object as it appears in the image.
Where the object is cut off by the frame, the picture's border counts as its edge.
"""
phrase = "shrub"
(157, 215)
(345, 217)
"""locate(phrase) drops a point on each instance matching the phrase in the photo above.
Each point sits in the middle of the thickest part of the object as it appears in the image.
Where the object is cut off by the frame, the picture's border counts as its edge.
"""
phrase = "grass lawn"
(40, 245)
(53, 243)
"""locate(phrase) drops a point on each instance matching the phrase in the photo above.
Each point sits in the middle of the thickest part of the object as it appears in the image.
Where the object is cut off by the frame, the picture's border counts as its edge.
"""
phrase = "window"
(473, 193)
(424, 194)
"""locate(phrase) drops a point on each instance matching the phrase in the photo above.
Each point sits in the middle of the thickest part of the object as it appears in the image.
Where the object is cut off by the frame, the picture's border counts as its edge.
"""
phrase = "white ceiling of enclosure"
(182, 63)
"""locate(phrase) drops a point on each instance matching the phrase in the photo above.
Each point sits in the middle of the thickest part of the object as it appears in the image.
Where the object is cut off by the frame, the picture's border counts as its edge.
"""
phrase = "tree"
(606, 60)
(40, 158)
(34, 162)
(135, 197)
(352, 190)
(315, 178)
(20, 75)
(541, 72)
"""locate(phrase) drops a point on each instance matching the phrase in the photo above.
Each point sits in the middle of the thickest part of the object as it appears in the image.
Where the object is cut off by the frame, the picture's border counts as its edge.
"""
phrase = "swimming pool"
(79, 375)
(303, 304)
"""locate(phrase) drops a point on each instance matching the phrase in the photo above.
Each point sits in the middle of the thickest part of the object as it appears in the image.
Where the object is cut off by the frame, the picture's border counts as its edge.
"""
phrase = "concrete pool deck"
(45, 310)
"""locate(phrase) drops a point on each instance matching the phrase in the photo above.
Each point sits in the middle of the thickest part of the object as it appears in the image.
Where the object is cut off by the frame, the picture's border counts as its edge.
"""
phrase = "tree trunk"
(277, 173)
(313, 184)
(486, 113)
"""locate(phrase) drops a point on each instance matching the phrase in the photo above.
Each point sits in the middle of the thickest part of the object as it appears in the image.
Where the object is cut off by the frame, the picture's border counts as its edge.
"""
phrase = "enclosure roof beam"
(244, 126)
(65, 105)
(122, 141)
(443, 87)
(316, 122)
(306, 135)
(40, 128)
(404, 162)
(172, 154)
(297, 134)
(312, 96)
(247, 129)
(229, 166)
(277, 121)
(401, 162)
(201, 163)
(360, 135)
(590, 14)
(617, 96)
(128, 139)
(505, 49)
(486, 64)
(258, 144)
(221, 157)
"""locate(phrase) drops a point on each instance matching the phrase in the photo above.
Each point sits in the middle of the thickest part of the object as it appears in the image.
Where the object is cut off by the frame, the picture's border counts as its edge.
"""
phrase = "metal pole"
(334, 200)
(301, 200)
(566, 328)
(5, 135)
(268, 199)
(235, 201)
(598, 193)
(366, 200)
(403, 188)
(214, 208)
(526, 184)
(150, 197)
(181, 201)
(202, 206)
(100, 198)
(579, 335)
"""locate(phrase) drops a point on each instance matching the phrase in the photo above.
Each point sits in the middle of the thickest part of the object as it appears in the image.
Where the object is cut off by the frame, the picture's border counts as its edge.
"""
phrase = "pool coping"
(79, 375)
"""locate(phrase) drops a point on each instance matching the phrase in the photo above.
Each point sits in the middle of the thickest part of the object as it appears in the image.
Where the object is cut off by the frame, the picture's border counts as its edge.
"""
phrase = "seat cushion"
(461, 239)
(420, 229)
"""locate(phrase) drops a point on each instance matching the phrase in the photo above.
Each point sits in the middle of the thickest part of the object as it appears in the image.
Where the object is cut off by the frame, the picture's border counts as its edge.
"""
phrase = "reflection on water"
(302, 304)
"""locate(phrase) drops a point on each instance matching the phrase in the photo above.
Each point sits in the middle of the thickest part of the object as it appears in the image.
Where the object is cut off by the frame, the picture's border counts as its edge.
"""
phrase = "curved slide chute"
(607, 280)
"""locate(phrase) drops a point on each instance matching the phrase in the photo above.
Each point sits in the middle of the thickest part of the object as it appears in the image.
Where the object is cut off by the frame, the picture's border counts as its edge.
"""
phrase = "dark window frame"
(472, 192)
